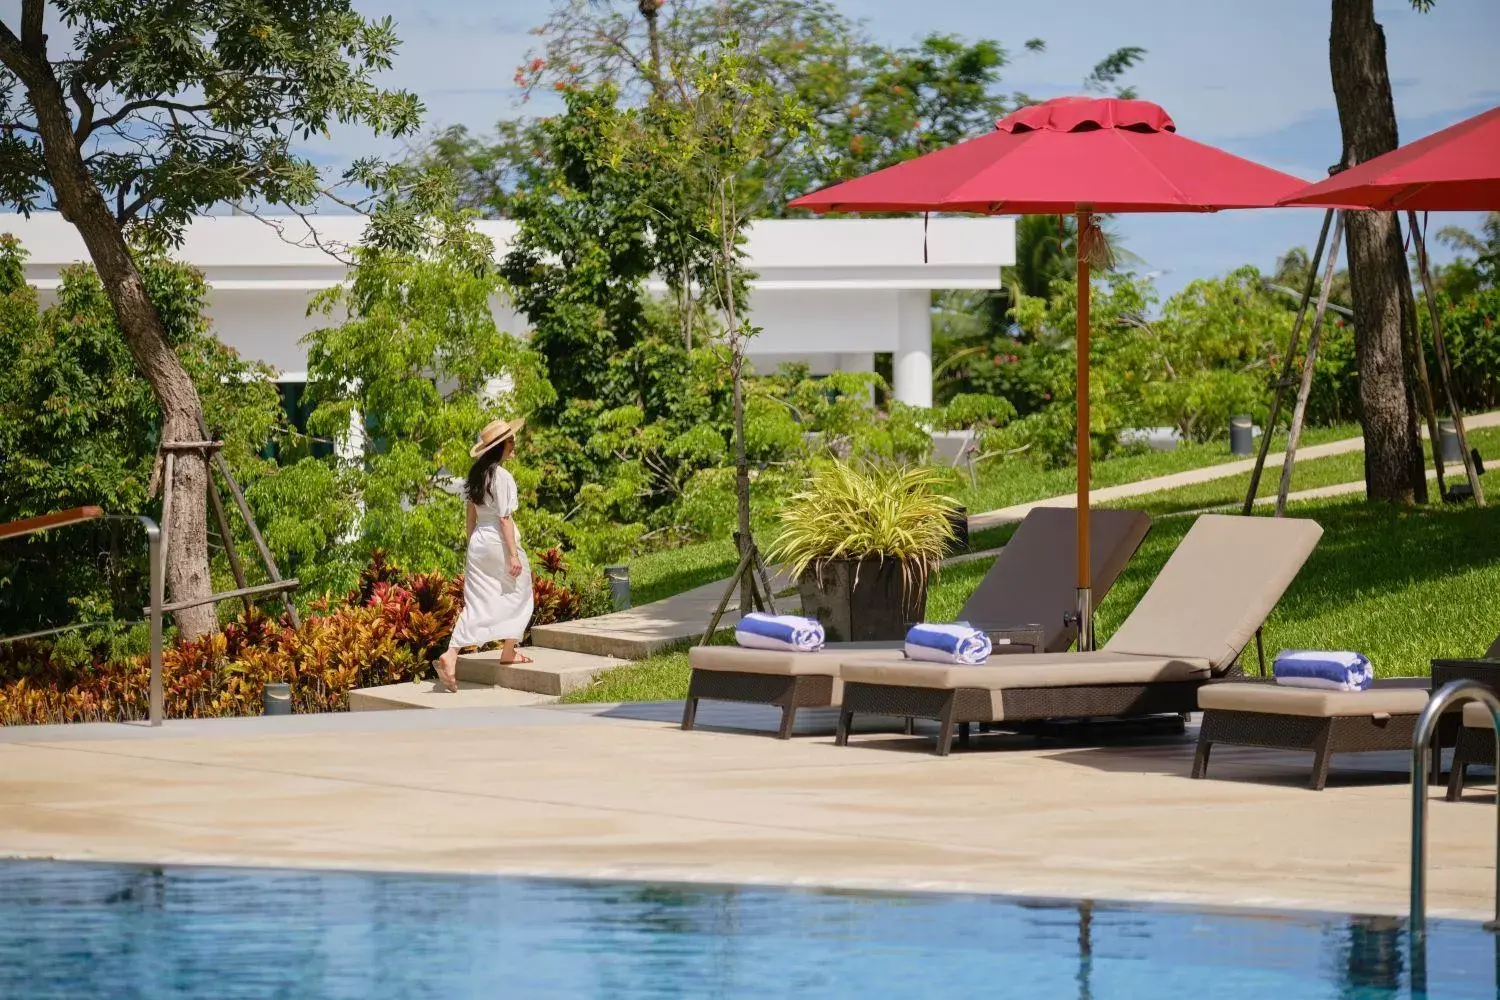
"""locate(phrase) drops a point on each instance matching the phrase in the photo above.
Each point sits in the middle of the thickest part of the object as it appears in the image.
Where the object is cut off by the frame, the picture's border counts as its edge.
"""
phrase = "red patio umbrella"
(1455, 170)
(1068, 155)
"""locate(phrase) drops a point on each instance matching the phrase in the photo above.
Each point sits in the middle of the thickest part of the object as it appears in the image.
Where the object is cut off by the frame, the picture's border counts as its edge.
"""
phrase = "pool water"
(89, 930)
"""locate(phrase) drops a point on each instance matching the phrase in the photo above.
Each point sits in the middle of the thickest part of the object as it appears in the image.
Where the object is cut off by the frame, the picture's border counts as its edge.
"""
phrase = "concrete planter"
(864, 600)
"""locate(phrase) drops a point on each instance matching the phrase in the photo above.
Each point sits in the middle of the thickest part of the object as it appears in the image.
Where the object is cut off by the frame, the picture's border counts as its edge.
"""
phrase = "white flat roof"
(241, 253)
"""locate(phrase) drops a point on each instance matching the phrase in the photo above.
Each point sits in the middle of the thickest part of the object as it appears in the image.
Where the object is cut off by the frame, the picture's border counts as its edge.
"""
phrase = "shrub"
(388, 629)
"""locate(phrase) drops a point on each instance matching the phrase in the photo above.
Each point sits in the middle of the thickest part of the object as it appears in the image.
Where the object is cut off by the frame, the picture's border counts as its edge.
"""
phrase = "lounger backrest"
(1218, 587)
(1034, 580)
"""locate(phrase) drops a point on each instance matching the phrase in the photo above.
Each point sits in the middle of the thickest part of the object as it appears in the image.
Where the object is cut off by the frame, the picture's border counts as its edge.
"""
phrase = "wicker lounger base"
(955, 709)
(1472, 746)
(787, 692)
(1324, 737)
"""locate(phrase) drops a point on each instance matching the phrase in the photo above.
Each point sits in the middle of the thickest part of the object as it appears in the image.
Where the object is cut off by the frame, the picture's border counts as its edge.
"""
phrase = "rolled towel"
(762, 631)
(956, 643)
(1338, 670)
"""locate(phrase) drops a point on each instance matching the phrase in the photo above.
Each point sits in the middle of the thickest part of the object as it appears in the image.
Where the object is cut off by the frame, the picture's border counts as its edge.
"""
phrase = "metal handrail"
(155, 571)
(1420, 748)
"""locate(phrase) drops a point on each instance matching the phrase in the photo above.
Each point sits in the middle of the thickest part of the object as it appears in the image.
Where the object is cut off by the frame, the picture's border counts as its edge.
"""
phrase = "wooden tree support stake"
(1299, 411)
(1286, 380)
(753, 582)
(1440, 349)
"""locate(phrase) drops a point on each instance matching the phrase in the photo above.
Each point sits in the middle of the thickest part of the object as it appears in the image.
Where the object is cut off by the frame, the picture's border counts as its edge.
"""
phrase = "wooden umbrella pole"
(1299, 411)
(1440, 348)
(1085, 581)
(1285, 380)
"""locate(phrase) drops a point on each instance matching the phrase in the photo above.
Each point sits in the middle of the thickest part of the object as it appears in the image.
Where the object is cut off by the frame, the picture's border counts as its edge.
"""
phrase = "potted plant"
(862, 540)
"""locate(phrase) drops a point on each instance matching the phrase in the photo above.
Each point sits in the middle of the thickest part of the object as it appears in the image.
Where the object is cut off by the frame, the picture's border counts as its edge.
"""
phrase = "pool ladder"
(1420, 748)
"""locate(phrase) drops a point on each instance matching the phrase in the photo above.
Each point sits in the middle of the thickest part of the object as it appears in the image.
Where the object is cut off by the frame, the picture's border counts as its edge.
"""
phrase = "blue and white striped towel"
(762, 631)
(1339, 670)
(956, 643)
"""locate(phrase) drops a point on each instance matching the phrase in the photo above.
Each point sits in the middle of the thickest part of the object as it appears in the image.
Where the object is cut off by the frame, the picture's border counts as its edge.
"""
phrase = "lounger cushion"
(1477, 715)
(737, 659)
(1218, 587)
(1273, 699)
(1039, 670)
(1035, 577)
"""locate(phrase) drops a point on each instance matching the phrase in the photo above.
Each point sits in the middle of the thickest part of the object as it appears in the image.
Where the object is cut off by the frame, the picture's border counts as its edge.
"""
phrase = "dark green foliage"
(79, 427)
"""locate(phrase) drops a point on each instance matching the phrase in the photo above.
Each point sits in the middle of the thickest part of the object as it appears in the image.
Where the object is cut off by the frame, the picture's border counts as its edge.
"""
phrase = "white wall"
(831, 291)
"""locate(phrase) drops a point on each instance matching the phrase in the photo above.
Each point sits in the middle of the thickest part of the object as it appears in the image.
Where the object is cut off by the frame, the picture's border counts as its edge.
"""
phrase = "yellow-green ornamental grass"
(861, 511)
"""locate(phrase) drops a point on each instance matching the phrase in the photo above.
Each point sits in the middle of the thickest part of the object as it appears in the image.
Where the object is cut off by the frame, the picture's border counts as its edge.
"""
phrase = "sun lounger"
(1210, 599)
(1276, 717)
(1475, 745)
(1031, 582)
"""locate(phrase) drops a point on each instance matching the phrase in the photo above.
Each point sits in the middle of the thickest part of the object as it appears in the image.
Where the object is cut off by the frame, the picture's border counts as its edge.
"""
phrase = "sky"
(1250, 76)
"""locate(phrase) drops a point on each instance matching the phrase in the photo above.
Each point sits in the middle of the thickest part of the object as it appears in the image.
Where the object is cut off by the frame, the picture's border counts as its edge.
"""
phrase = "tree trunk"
(651, 11)
(1377, 264)
(81, 204)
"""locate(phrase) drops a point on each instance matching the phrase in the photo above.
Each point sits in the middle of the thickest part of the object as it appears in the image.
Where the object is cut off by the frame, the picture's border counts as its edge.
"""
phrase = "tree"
(728, 120)
(150, 113)
(78, 426)
(876, 105)
(1378, 274)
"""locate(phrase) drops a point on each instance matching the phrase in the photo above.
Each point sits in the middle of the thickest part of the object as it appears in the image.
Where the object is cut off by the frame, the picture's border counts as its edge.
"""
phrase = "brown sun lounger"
(1208, 602)
(1031, 583)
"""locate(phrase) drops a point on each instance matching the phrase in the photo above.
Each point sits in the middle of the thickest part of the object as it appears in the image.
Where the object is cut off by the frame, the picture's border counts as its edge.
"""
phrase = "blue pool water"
(77, 930)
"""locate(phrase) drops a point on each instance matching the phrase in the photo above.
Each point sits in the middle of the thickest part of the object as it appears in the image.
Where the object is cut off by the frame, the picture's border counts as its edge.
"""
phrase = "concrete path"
(621, 793)
(1208, 474)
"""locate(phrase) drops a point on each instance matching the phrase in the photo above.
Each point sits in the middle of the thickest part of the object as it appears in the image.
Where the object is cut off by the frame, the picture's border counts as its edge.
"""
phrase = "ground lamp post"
(1069, 156)
(1454, 170)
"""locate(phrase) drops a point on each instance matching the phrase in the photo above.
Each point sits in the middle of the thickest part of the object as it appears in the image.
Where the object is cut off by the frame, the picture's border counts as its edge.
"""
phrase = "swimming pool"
(91, 930)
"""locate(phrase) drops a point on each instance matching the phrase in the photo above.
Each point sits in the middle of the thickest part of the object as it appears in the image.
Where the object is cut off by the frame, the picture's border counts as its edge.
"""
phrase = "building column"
(911, 365)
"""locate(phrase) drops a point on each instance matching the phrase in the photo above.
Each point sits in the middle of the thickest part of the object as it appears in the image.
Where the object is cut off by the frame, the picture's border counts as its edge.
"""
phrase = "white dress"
(496, 605)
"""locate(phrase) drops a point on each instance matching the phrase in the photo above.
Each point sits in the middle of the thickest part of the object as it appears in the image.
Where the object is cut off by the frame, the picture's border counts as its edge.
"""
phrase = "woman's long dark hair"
(477, 483)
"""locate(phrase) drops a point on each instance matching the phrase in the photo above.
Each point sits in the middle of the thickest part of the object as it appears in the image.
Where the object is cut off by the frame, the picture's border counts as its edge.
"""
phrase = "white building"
(829, 292)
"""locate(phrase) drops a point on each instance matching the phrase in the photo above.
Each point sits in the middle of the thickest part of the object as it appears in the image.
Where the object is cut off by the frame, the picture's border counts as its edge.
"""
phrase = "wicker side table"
(1011, 639)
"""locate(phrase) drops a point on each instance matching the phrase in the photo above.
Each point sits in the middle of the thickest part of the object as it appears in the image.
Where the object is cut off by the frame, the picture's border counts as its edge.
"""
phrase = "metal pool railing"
(1420, 748)
(155, 572)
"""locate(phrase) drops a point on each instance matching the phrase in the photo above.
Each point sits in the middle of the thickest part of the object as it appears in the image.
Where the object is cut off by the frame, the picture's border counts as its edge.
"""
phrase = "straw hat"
(495, 432)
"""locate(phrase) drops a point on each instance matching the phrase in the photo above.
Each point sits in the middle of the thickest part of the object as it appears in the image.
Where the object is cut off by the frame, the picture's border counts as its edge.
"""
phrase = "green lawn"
(1017, 480)
(1307, 475)
(1403, 587)
(671, 571)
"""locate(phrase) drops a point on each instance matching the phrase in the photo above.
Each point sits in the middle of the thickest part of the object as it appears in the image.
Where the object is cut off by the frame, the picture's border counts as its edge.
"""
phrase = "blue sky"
(1251, 77)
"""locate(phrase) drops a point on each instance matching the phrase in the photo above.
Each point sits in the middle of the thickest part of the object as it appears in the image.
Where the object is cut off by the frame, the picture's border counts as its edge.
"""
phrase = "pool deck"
(619, 792)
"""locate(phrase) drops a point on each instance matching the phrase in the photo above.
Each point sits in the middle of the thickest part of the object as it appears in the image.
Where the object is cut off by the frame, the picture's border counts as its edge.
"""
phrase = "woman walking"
(497, 575)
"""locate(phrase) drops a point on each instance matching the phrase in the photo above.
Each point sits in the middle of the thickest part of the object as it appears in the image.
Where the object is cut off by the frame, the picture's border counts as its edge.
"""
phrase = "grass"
(1007, 482)
(1403, 587)
(661, 574)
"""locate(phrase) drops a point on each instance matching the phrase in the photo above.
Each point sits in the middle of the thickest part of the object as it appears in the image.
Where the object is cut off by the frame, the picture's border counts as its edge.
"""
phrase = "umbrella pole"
(1085, 581)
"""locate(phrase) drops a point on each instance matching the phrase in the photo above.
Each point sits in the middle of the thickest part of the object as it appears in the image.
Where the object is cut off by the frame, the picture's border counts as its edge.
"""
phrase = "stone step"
(554, 672)
(651, 628)
(430, 694)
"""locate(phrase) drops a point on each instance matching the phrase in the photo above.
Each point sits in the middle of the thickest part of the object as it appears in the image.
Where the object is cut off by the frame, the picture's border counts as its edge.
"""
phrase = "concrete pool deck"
(619, 792)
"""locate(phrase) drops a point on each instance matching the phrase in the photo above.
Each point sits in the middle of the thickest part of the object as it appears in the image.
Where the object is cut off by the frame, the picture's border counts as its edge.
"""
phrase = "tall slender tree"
(1377, 263)
(140, 115)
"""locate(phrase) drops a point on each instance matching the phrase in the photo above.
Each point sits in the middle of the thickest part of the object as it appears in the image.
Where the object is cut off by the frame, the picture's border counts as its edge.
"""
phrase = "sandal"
(518, 658)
